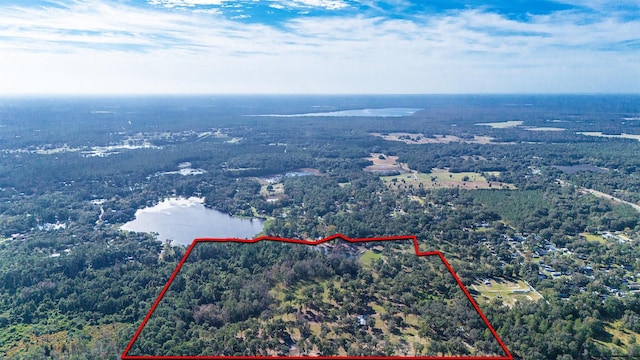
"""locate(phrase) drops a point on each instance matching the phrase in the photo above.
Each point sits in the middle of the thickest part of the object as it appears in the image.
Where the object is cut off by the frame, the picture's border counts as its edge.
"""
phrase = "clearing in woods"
(385, 164)
(443, 178)
(509, 291)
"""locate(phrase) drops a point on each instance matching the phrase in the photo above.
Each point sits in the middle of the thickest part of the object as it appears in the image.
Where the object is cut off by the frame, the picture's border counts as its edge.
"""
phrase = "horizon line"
(232, 94)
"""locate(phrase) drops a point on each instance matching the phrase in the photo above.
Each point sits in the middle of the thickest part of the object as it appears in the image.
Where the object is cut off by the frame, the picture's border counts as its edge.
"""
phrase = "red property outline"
(312, 242)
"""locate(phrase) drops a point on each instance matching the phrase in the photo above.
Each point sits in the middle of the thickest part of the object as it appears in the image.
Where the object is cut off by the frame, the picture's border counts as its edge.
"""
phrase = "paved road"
(613, 198)
(602, 195)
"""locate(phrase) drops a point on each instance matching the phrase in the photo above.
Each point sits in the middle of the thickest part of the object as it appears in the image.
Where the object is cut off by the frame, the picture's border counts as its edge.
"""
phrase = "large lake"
(182, 220)
(384, 112)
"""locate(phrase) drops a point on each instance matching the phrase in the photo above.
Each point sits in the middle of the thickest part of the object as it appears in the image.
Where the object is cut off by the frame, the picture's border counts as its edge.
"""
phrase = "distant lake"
(384, 112)
(182, 220)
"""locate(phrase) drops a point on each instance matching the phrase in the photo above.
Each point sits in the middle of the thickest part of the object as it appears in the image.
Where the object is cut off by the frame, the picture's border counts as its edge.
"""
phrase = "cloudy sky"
(319, 46)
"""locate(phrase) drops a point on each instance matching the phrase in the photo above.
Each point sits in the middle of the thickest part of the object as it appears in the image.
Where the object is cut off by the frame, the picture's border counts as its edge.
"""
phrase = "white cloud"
(326, 4)
(187, 3)
(102, 47)
(277, 4)
(603, 5)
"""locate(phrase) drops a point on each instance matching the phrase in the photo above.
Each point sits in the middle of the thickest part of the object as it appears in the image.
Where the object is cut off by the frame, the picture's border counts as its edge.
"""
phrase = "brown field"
(388, 164)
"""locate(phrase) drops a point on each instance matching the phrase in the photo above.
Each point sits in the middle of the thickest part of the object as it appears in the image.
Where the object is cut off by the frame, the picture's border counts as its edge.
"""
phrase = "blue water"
(385, 112)
(183, 220)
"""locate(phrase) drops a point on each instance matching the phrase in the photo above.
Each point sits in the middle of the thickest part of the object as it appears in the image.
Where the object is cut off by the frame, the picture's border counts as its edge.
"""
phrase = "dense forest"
(539, 224)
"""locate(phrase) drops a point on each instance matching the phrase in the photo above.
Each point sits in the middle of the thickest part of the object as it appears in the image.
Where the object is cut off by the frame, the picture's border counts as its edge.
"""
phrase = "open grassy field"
(596, 238)
(442, 178)
(368, 257)
(507, 290)
(275, 189)
(617, 336)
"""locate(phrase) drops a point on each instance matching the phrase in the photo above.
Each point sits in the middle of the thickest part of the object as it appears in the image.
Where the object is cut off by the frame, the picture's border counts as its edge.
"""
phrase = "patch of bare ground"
(311, 171)
(385, 164)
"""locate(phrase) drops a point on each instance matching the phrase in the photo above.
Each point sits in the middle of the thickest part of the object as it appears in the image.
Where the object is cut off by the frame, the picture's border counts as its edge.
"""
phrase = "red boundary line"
(310, 242)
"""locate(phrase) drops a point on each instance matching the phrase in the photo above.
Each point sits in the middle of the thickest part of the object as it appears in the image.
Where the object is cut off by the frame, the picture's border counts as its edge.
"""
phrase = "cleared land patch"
(272, 192)
(271, 187)
(592, 237)
(385, 164)
(543, 128)
(367, 258)
(443, 178)
(508, 291)
(616, 330)
(503, 124)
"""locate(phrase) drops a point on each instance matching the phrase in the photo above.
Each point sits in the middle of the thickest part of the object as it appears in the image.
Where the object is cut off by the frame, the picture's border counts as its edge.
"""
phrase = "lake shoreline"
(181, 220)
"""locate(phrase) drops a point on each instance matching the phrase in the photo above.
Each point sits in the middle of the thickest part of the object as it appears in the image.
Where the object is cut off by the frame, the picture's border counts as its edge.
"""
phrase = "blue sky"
(319, 46)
